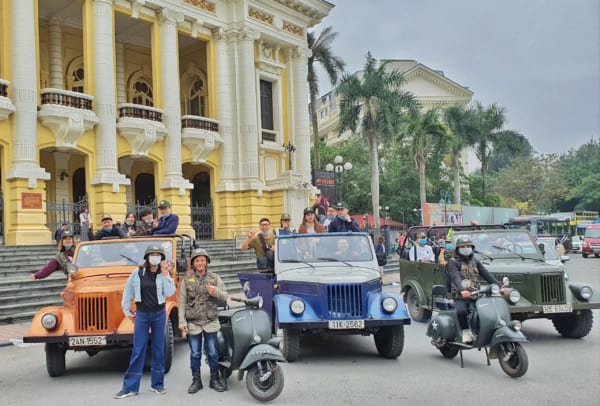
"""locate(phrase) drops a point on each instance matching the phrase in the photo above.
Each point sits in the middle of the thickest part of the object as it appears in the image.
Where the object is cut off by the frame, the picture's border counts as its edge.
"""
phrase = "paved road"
(341, 370)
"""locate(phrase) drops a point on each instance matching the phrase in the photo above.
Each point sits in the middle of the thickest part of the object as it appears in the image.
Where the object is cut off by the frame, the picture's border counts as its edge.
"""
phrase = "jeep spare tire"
(417, 312)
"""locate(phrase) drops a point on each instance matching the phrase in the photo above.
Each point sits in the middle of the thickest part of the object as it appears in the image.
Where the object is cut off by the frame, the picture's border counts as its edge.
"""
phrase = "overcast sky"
(539, 59)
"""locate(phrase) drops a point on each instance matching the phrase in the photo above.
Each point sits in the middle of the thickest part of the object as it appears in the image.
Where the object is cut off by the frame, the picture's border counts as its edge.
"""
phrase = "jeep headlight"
(582, 291)
(297, 307)
(514, 296)
(586, 293)
(389, 304)
(49, 321)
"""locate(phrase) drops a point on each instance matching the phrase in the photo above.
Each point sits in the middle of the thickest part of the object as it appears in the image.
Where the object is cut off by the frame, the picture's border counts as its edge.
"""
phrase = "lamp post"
(289, 147)
(384, 212)
(419, 214)
(445, 201)
(386, 228)
(337, 169)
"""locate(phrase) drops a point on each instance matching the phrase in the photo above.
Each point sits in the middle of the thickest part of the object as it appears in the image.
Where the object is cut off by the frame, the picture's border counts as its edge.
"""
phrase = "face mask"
(107, 228)
(129, 223)
(67, 246)
(154, 259)
(330, 217)
(342, 217)
(423, 241)
(465, 251)
(166, 216)
(448, 246)
(148, 221)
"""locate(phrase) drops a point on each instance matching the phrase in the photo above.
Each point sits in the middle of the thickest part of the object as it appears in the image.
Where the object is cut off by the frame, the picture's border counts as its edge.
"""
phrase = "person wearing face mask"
(168, 222)
(464, 266)
(66, 247)
(145, 226)
(129, 227)
(108, 229)
(342, 221)
(149, 286)
(329, 218)
(262, 242)
(421, 251)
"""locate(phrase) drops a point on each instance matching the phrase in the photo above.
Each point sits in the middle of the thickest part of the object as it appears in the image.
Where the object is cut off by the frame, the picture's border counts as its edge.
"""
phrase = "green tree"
(372, 105)
(457, 119)
(333, 65)
(426, 135)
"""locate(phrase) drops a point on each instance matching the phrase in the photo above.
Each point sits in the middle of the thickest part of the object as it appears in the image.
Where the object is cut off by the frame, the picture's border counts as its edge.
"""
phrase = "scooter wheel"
(270, 388)
(513, 359)
(449, 351)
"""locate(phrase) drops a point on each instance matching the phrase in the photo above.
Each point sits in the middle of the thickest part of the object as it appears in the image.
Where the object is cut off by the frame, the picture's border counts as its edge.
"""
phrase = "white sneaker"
(467, 336)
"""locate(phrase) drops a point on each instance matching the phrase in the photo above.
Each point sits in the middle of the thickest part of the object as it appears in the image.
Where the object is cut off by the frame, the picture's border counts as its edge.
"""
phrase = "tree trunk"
(315, 130)
(484, 165)
(422, 191)
(374, 158)
(456, 165)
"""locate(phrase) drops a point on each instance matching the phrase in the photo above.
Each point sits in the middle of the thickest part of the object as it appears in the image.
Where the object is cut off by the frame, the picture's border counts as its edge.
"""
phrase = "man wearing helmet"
(199, 295)
(149, 286)
(66, 247)
(464, 266)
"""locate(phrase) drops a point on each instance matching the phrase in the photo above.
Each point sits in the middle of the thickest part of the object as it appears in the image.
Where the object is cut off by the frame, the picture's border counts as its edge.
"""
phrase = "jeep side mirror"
(181, 266)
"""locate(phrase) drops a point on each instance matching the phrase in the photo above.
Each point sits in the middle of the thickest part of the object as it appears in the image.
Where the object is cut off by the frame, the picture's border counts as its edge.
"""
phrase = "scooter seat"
(444, 304)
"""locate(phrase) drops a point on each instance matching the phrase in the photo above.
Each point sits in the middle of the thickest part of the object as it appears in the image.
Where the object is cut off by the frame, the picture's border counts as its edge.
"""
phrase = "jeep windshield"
(110, 253)
(326, 247)
(494, 244)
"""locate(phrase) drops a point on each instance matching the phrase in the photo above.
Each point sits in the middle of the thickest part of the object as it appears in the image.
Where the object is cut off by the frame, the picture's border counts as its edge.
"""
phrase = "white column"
(121, 90)
(61, 167)
(24, 96)
(57, 79)
(171, 107)
(301, 128)
(249, 128)
(225, 95)
(104, 79)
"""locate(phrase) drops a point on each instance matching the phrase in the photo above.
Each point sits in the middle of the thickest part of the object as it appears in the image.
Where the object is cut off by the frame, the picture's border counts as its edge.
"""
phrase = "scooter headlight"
(515, 325)
(49, 321)
(297, 307)
(495, 289)
(514, 296)
(389, 304)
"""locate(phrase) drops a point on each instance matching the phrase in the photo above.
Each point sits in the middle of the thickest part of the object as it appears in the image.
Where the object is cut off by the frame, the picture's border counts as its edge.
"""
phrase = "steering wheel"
(514, 248)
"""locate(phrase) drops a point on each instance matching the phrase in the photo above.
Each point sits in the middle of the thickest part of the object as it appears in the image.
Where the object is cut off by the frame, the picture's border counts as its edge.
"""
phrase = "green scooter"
(492, 324)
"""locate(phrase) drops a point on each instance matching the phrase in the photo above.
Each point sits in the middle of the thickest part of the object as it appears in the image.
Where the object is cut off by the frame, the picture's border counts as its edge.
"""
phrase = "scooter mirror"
(466, 284)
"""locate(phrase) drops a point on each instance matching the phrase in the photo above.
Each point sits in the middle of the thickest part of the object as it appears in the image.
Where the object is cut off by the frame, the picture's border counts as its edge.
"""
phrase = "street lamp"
(337, 169)
(419, 214)
(289, 147)
(384, 212)
(445, 200)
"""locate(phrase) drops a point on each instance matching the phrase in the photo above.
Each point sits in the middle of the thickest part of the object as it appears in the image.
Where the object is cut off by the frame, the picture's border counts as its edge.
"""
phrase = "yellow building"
(112, 103)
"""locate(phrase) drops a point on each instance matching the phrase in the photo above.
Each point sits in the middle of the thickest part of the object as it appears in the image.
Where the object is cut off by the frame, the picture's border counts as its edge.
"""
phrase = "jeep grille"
(345, 301)
(92, 313)
(553, 289)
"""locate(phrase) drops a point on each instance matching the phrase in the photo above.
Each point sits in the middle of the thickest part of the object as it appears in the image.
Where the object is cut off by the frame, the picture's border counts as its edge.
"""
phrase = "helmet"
(154, 249)
(164, 203)
(285, 217)
(66, 234)
(309, 210)
(462, 241)
(200, 252)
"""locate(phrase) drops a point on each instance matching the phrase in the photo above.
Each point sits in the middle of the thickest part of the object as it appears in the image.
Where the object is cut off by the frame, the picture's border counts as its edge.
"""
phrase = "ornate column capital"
(168, 16)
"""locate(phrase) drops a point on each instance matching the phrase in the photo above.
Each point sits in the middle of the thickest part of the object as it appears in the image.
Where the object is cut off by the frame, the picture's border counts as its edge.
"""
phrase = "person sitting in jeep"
(107, 230)
(464, 266)
(421, 251)
(66, 247)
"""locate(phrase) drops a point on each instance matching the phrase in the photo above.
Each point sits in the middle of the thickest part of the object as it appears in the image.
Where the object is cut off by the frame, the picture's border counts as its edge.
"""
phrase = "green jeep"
(545, 291)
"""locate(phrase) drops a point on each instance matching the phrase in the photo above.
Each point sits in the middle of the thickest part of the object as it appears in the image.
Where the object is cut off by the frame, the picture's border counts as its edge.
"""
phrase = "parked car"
(575, 243)
(591, 241)
(329, 284)
(544, 289)
(91, 318)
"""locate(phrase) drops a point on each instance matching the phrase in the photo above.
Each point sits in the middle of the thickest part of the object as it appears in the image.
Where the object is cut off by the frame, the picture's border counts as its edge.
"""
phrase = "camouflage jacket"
(460, 268)
(200, 312)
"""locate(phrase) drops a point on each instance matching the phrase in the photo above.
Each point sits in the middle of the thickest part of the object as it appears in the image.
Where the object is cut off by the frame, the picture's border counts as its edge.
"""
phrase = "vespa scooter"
(496, 330)
(245, 344)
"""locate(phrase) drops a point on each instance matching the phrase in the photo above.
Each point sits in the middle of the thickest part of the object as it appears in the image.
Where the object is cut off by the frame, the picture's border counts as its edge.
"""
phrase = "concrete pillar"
(120, 70)
(104, 79)
(57, 78)
(301, 130)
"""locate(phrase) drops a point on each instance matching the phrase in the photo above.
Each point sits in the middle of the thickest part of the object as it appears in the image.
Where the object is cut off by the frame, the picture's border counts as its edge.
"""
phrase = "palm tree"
(460, 137)
(487, 130)
(426, 135)
(372, 104)
(333, 65)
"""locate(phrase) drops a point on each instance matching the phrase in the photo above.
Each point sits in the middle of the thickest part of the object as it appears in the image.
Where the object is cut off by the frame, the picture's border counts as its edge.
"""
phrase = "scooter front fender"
(261, 352)
(504, 335)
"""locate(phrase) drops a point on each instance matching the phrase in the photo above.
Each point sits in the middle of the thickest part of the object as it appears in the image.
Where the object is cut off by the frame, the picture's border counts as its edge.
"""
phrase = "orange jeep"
(91, 318)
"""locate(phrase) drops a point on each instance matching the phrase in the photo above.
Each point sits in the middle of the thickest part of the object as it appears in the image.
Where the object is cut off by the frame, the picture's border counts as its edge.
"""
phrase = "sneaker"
(158, 391)
(125, 393)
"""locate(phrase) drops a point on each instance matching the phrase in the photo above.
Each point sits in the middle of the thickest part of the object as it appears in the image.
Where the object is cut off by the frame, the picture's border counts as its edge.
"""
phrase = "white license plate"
(85, 341)
(562, 308)
(346, 324)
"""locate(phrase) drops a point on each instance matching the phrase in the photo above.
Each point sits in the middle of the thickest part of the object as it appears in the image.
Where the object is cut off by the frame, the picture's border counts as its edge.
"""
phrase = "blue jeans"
(151, 326)
(210, 347)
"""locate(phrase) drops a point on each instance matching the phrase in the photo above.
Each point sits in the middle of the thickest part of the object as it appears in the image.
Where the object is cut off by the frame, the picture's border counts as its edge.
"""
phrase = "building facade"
(110, 104)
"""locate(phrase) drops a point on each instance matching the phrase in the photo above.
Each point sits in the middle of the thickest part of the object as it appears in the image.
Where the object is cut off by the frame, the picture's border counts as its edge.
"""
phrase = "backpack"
(381, 258)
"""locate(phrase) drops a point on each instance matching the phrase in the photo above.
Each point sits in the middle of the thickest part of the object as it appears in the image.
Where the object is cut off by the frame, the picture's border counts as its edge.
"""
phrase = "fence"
(65, 212)
(202, 221)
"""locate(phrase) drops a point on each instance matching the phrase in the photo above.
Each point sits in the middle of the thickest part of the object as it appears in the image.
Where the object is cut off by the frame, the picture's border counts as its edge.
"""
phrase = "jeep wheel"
(574, 325)
(390, 341)
(55, 359)
(169, 345)
(449, 351)
(291, 344)
(585, 255)
(417, 312)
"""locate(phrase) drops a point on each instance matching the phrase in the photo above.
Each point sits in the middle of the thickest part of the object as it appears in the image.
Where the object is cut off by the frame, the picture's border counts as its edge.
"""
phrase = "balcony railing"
(200, 123)
(128, 110)
(268, 135)
(67, 98)
(3, 88)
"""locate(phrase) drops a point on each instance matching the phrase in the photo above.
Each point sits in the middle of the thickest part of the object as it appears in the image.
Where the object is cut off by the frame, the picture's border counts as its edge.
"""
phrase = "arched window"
(197, 102)
(142, 93)
(194, 92)
(75, 75)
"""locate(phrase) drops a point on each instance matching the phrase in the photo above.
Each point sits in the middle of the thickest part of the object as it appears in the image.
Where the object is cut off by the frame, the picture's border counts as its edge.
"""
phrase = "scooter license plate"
(346, 324)
(84, 341)
(562, 308)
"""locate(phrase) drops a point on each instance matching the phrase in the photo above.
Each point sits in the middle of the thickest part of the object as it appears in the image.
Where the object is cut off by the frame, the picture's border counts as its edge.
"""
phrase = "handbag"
(266, 261)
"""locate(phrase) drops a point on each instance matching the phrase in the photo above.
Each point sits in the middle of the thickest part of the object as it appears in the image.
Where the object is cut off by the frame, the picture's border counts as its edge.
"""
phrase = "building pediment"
(428, 84)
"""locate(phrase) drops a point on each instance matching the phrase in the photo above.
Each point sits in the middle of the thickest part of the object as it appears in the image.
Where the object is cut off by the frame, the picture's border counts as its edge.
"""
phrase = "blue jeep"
(329, 284)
